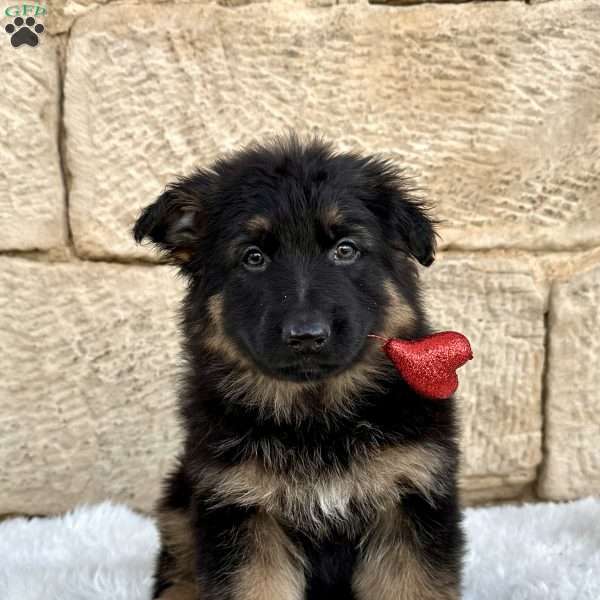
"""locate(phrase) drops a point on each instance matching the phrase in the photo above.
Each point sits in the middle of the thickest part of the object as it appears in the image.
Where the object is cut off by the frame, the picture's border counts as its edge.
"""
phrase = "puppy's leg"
(245, 555)
(413, 552)
(180, 591)
(174, 576)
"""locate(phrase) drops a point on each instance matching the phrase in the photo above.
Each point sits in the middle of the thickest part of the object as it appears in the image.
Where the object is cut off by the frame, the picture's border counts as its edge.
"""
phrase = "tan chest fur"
(370, 483)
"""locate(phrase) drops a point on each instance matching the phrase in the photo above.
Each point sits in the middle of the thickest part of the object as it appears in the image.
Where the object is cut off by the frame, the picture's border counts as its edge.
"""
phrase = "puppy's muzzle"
(306, 334)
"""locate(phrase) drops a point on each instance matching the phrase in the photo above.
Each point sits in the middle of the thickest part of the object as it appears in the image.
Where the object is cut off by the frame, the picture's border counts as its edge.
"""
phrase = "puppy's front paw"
(180, 591)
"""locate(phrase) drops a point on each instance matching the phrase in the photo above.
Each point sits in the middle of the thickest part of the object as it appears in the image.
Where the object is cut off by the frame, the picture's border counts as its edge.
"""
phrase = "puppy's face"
(296, 253)
(303, 285)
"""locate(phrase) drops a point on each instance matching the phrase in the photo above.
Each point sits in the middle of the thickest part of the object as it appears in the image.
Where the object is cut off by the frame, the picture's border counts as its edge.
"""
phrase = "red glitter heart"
(429, 364)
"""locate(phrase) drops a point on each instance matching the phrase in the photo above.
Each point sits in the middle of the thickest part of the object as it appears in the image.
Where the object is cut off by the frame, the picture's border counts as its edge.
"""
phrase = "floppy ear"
(416, 229)
(174, 222)
(404, 217)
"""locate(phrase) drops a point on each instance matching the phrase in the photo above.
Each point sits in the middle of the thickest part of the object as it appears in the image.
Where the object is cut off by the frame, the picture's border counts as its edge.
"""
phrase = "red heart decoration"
(429, 364)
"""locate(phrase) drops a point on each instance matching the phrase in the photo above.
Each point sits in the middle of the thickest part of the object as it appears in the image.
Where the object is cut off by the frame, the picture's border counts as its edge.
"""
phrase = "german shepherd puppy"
(310, 470)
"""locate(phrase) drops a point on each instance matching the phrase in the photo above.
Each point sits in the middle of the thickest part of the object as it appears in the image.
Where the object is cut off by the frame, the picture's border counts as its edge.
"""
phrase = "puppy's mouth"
(308, 367)
(311, 367)
(306, 371)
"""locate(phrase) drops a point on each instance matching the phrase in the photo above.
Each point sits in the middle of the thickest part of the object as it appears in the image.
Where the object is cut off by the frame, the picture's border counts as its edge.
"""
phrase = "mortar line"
(61, 139)
(544, 391)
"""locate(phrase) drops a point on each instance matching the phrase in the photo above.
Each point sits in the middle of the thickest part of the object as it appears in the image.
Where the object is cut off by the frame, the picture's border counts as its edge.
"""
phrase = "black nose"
(306, 335)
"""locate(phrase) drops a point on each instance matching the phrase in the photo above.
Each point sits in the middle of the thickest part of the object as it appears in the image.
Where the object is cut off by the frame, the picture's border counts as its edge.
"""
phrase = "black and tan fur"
(310, 470)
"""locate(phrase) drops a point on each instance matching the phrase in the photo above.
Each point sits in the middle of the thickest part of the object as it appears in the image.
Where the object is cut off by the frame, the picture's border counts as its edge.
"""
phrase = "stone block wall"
(493, 107)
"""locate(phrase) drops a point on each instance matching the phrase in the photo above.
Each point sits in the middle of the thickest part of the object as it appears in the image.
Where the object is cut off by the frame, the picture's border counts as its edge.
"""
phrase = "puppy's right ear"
(175, 222)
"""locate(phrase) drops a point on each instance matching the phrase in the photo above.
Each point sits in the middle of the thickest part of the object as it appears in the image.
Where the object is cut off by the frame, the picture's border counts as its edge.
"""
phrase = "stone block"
(498, 304)
(491, 106)
(88, 381)
(32, 205)
(571, 466)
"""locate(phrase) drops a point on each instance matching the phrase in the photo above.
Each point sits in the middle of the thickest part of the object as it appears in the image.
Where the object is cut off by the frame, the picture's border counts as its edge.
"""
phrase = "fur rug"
(106, 552)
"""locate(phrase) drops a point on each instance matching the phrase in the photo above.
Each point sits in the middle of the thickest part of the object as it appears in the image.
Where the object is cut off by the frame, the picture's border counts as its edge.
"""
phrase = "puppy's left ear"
(415, 228)
(405, 219)
(175, 222)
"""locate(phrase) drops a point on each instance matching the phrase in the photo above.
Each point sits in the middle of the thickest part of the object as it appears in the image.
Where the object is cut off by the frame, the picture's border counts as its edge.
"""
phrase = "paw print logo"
(24, 32)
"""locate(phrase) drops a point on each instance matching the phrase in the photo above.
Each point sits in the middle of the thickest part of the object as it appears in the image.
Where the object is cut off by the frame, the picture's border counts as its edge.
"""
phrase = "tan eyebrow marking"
(258, 224)
(332, 216)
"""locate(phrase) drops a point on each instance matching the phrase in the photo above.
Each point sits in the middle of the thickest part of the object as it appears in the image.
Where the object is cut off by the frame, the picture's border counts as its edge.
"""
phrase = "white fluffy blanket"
(106, 552)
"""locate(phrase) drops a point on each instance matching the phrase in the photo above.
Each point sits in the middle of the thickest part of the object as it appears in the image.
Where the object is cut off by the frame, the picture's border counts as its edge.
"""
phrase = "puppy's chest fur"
(325, 485)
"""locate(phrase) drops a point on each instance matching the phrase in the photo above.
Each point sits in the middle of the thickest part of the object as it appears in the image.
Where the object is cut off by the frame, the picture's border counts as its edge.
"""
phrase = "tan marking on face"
(284, 399)
(177, 538)
(313, 500)
(400, 318)
(390, 566)
(214, 337)
(246, 384)
(332, 216)
(274, 567)
(258, 224)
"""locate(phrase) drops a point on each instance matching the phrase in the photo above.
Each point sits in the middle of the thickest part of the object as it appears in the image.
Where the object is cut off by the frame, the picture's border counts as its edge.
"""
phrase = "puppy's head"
(295, 253)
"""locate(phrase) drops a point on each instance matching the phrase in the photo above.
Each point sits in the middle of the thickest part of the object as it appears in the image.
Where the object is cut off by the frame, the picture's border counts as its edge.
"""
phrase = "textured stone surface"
(31, 193)
(499, 305)
(493, 105)
(572, 460)
(62, 13)
(414, 2)
(86, 393)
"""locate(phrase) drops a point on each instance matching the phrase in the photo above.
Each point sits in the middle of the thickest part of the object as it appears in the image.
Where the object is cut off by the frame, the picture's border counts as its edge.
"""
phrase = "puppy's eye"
(346, 252)
(254, 259)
